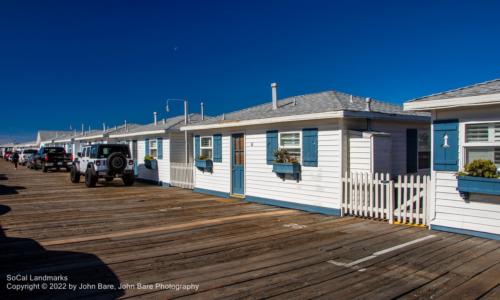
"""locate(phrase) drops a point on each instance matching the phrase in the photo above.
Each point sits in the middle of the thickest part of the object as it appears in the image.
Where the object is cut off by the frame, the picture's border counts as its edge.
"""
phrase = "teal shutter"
(310, 147)
(411, 150)
(217, 151)
(147, 146)
(271, 145)
(445, 156)
(159, 144)
(196, 146)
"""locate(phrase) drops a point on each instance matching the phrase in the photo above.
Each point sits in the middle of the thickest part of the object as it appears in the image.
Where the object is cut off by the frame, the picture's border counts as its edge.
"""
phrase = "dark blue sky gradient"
(73, 62)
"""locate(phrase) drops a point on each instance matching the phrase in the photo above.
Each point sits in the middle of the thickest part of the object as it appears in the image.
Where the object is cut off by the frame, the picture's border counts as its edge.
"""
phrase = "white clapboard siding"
(479, 213)
(360, 156)
(377, 196)
(318, 186)
(219, 180)
(181, 175)
(163, 171)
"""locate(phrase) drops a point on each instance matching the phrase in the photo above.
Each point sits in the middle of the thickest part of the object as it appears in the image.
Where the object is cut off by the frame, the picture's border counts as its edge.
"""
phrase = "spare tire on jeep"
(117, 162)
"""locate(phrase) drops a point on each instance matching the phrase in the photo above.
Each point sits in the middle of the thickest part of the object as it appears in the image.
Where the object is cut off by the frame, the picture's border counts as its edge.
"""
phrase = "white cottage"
(329, 133)
(164, 142)
(465, 127)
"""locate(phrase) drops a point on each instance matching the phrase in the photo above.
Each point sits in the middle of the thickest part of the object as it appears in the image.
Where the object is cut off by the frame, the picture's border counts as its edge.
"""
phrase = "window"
(107, 150)
(424, 149)
(482, 141)
(291, 142)
(153, 148)
(206, 147)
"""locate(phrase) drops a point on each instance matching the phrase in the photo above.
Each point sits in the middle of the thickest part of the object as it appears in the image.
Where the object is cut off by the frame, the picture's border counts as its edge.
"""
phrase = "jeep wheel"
(117, 162)
(74, 175)
(128, 179)
(90, 178)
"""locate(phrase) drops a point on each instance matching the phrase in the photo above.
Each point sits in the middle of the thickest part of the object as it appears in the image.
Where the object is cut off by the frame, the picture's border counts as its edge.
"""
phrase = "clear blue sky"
(73, 62)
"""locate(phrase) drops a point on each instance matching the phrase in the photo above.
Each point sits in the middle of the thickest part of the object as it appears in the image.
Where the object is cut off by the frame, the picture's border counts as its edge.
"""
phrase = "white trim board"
(422, 105)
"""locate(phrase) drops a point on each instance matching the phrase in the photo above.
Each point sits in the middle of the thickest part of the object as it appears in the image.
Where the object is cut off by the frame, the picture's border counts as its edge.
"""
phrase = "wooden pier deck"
(163, 243)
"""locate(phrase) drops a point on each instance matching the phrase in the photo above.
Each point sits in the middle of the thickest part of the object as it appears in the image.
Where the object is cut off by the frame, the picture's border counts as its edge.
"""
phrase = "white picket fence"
(181, 175)
(376, 196)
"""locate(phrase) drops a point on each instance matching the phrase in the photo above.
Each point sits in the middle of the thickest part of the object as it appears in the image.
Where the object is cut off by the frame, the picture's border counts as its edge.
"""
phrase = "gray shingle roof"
(309, 104)
(47, 135)
(173, 123)
(482, 88)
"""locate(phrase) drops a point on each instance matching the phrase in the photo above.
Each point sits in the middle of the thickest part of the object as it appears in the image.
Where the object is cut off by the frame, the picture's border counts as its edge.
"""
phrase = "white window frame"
(211, 147)
(155, 141)
(288, 147)
(467, 145)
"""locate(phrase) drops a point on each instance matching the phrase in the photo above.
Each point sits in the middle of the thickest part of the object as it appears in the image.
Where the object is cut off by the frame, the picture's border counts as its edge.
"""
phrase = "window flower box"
(286, 168)
(151, 164)
(480, 185)
(204, 164)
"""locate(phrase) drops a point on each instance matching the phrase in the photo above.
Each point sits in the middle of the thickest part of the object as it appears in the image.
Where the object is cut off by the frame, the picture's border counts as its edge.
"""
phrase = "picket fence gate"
(377, 196)
(181, 175)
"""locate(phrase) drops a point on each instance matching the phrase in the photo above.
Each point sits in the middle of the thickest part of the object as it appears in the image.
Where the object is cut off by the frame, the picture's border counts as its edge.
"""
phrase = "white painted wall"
(480, 212)
(360, 156)
(319, 186)
(163, 171)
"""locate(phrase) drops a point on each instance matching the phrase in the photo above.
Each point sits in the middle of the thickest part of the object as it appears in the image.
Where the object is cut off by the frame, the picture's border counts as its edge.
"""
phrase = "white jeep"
(106, 161)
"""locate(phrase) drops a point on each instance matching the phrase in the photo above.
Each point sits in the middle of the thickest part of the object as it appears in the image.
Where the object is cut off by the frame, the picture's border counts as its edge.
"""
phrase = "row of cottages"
(163, 142)
(74, 141)
(465, 127)
(329, 133)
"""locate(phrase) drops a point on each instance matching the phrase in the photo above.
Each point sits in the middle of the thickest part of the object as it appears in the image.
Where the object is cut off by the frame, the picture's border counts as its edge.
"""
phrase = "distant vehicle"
(7, 153)
(52, 158)
(30, 164)
(25, 155)
(106, 161)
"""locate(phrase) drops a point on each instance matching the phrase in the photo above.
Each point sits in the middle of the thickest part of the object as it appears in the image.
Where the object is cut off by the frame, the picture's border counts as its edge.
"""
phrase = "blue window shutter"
(310, 147)
(411, 150)
(196, 146)
(445, 158)
(147, 146)
(159, 144)
(217, 152)
(271, 145)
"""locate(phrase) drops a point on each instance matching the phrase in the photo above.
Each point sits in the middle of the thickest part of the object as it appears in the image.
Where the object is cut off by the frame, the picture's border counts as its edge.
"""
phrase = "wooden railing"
(376, 196)
(181, 175)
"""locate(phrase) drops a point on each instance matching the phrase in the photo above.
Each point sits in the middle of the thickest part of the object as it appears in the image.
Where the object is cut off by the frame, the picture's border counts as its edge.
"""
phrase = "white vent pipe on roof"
(274, 90)
(368, 102)
(155, 118)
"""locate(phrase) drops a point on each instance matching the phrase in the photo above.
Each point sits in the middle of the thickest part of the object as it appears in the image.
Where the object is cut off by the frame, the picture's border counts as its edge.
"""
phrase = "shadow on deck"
(25, 264)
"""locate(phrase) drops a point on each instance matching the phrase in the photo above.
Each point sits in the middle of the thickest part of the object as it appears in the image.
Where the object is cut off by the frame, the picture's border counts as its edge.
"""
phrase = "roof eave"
(292, 118)
(139, 133)
(457, 102)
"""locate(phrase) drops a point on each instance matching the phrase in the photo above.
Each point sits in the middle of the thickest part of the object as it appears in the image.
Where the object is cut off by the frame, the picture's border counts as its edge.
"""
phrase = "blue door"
(238, 163)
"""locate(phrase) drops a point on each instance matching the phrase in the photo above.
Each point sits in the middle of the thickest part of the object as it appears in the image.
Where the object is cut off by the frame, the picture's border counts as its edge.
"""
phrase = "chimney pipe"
(155, 115)
(103, 126)
(83, 130)
(368, 101)
(274, 87)
(126, 126)
(202, 111)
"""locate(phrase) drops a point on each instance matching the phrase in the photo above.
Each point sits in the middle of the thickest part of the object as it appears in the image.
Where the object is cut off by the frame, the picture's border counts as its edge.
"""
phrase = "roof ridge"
(456, 89)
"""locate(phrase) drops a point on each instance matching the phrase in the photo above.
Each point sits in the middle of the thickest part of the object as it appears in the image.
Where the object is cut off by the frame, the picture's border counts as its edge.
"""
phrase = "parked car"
(7, 153)
(25, 155)
(30, 164)
(52, 158)
(106, 161)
